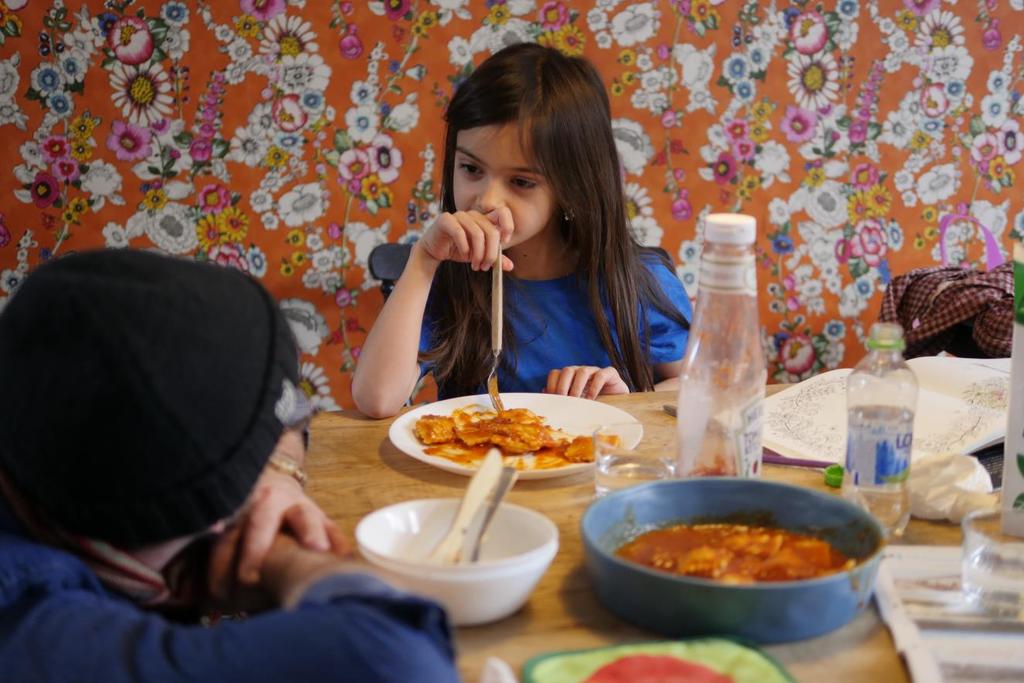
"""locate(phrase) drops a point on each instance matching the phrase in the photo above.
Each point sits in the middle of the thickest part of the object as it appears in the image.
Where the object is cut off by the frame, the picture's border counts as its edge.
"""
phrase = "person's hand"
(286, 570)
(585, 381)
(289, 569)
(279, 503)
(469, 237)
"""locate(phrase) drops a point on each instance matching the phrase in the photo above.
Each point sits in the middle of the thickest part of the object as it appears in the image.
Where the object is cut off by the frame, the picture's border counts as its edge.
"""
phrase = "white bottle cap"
(730, 228)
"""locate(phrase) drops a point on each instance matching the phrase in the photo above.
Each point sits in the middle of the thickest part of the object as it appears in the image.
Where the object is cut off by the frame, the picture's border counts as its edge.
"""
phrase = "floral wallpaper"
(287, 138)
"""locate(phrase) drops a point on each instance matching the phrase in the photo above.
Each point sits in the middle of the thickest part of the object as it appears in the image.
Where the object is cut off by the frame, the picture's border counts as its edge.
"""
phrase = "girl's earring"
(567, 216)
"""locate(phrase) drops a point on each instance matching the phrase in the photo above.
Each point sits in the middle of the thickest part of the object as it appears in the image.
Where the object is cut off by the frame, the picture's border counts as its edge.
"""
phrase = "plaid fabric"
(964, 312)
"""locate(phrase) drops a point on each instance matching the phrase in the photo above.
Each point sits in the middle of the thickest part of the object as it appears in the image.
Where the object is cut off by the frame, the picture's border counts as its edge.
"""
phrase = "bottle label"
(748, 438)
(877, 456)
(729, 275)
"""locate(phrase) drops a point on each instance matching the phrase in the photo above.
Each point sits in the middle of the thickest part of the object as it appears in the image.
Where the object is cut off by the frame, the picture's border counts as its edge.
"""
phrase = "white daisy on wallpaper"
(633, 143)
(248, 147)
(826, 204)
(307, 323)
(772, 162)
(173, 229)
(142, 93)
(301, 205)
(404, 117)
(313, 382)
(635, 24)
(459, 51)
(303, 71)
(286, 36)
(950, 63)
(647, 231)
(103, 182)
(813, 79)
(939, 28)
(937, 184)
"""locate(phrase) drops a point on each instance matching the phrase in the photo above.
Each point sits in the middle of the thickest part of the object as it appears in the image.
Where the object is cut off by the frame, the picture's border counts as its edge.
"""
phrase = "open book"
(961, 408)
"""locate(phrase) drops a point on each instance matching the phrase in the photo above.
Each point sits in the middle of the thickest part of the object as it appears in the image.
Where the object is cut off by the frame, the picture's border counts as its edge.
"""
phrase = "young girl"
(530, 163)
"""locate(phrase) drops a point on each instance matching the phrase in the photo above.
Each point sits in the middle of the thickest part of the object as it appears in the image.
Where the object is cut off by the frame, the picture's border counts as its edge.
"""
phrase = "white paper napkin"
(948, 486)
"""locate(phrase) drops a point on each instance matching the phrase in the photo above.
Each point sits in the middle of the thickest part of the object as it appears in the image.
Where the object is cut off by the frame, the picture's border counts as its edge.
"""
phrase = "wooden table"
(355, 469)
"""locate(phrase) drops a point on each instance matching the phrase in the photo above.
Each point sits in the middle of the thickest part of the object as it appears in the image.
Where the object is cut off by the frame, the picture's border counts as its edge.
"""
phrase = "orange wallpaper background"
(289, 137)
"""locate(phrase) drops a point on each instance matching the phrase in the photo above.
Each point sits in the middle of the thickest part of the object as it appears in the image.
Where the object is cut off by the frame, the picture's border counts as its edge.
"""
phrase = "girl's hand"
(469, 237)
(585, 381)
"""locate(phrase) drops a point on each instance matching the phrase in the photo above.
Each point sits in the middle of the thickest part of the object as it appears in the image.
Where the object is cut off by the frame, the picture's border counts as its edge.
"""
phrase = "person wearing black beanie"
(144, 400)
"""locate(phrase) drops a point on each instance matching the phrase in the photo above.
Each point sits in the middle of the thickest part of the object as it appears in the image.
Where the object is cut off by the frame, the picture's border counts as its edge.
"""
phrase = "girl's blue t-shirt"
(555, 328)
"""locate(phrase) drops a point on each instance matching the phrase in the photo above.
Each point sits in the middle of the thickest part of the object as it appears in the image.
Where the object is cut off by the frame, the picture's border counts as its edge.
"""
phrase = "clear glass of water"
(993, 565)
(630, 453)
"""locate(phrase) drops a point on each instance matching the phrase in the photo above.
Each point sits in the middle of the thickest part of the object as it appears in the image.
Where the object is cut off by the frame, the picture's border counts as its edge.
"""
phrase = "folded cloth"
(948, 486)
(965, 312)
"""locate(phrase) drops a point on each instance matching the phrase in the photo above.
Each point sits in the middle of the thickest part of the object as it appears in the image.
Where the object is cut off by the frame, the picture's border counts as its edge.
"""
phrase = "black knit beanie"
(140, 395)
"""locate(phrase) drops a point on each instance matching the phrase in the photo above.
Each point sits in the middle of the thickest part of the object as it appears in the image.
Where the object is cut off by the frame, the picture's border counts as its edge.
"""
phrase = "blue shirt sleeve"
(668, 337)
(347, 627)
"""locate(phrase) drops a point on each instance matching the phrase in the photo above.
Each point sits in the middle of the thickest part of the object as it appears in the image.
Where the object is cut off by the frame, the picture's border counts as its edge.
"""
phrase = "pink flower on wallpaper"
(289, 114)
(1010, 142)
(385, 159)
(934, 100)
(553, 15)
(724, 168)
(863, 176)
(921, 7)
(797, 354)
(213, 198)
(991, 38)
(736, 129)
(744, 150)
(985, 147)
(858, 131)
(799, 124)
(354, 164)
(201, 149)
(351, 47)
(343, 297)
(264, 10)
(809, 33)
(396, 9)
(5, 234)
(45, 190)
(869, 242)
(229, 255)
(681, 207)
(129, 142)
(843, 251)
(130, 40)
(65, 169)
(55, 147)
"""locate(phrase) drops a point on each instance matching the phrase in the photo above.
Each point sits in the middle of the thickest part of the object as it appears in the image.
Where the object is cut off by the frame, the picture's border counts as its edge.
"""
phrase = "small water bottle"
(881, 396)
(722, 382)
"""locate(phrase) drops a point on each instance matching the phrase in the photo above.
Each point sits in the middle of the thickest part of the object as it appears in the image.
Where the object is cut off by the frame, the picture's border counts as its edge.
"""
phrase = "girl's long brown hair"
(562, 110)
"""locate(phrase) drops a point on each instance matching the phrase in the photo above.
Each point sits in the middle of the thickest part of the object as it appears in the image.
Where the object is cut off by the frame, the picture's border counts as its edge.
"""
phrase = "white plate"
(576, 416)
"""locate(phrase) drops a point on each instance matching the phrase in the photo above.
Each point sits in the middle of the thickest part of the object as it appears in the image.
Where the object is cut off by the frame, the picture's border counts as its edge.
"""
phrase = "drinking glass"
(993, 565)
(629, 453)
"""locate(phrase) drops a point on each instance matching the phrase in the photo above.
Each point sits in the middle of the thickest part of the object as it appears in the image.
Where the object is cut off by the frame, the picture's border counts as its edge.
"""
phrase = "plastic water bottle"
(881, 396)
(722, 382)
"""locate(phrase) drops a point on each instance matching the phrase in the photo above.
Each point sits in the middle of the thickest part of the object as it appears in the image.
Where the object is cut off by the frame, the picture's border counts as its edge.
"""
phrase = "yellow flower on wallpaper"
(233, 224)
(208, 232)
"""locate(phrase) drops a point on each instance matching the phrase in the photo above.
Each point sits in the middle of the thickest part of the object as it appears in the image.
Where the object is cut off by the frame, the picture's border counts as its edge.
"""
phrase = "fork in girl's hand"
(496, 331)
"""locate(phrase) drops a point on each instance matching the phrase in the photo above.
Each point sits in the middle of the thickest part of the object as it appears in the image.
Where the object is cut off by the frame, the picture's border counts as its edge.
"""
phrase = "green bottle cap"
(834, 476)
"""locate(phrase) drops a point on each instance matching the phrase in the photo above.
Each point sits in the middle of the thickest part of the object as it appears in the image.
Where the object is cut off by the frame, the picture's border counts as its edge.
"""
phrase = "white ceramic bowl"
(516, 551)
